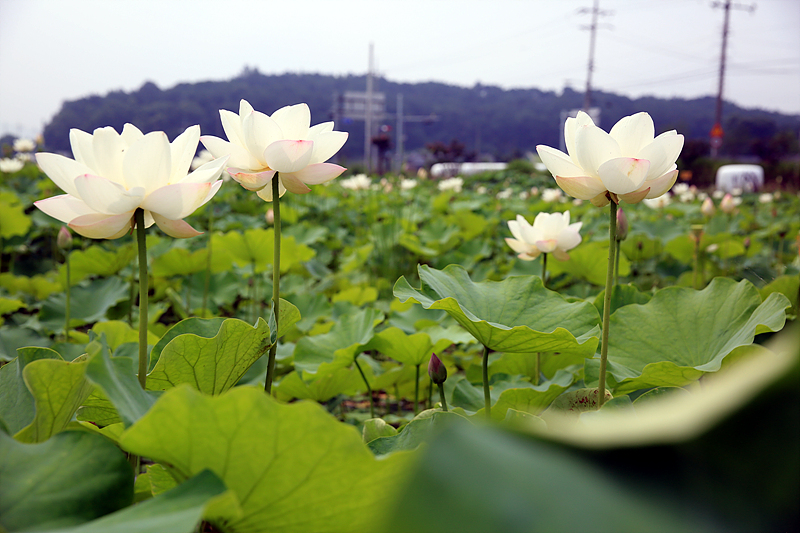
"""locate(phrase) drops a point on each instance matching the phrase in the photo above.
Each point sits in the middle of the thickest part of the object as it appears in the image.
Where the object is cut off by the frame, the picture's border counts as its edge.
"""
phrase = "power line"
(595, 12)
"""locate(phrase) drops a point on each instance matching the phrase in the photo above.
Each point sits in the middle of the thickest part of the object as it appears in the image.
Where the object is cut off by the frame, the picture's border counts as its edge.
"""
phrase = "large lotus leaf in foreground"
(272, 457)
(682, 333)
(514, 315)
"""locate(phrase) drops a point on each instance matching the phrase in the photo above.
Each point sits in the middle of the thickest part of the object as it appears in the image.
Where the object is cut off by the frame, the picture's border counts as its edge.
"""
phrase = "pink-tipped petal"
(64, 207)
(583, 187)
(105, 196)
(100, 226)
(559, 163)
(293, 184)
(288, 155)
(319, 173)
(662, 184)
(175, 228)
(623, 174)
(176, 201)
(251, 181)
(62, 171)
(633, 132)
(634, 197)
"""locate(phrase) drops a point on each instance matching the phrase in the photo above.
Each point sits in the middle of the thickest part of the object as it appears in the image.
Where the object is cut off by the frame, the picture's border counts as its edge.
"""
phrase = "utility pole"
(716, 131)
(368, 120)
(595, 12)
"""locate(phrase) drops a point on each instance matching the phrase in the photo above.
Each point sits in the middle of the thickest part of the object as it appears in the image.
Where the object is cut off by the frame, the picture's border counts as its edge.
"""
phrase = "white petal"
(105, 196)
(319, 128)
(175, 228)
(571, 127)
(294, 121)
(148, 162)
(582, 187)
(244, 108)
(319, 173)
(62, 171)
(207, 172)
(623, 174)
(109, 151)
(251, 181)
(259, 132)
(82, 150)
(569, 238)
(662, 153)
(327, 144)
(238, 155)
(266, 193)
(293, 184)
(593, 147)
(130, 134)
(182, 151)
(662, 184)
(633, 132)
(99, 226)
(518, 246)
(289, 155)
(559, 163)
(232, 125)
(176, 201)
(64, 207)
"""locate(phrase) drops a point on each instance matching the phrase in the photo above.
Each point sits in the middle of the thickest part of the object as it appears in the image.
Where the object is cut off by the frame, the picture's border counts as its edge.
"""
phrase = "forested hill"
(499, 123)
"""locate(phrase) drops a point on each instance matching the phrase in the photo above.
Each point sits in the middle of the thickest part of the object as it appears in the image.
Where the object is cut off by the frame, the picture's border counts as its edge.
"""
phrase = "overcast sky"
(56, 50)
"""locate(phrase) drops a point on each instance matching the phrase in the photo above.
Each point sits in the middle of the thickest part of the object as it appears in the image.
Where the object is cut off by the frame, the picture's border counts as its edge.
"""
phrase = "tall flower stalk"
(64, 243)
(628, 164)
(144, 289)
(271, 155)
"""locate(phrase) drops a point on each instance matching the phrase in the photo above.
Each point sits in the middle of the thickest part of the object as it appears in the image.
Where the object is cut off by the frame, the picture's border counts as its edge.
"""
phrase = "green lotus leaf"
(96, 261)
(40, 287)
(116, 376)
(279, 460)
(340, 346)
(178, 510)
(98, 409)
(13, 220)
(118, 333)
(17, 408)
(181, 262)
(682, 333)
(413, 349)
(414, 433)
(208, 360)
(88, 304)
(789, 286)
(589, 262)
(621, 295)
(255, 247)
(312, 306)
(727, 246)
(58, 388)
(532, 400)
(376, 427)
(68, 480)
(514, 315)
(9, 305)
(322, 386)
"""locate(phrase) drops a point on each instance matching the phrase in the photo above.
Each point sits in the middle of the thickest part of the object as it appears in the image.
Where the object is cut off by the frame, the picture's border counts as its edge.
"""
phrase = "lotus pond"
(699, 429)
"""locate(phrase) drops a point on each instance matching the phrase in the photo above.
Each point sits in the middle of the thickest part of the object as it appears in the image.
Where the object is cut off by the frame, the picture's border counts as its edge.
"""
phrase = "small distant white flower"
(24, 145)
(687, 197)
(765, 198)
(452, 184)
(711, 248)
(550, 233)
(202, 158)
(680, 188)
(736, 191)
(357, 182)
(10, 165)
(718, 194)
(702, 196)
(505, 194)
(25, 157)
(551, 195)
(577, 201)
(524, 195)
(408, 184)
(776, 195)
(481, 190)
(657, 203)
(737, 200)
(534, 191)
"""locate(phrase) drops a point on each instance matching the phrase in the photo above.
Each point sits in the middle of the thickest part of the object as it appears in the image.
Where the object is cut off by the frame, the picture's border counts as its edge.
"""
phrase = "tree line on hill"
(486, 122)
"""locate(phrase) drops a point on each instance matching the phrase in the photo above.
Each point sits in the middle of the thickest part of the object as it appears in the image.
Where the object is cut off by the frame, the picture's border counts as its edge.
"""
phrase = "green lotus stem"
(143, 290)
(276, 282)
(429, 404)
(487, 398)
(697, 266)
(441, 396)
(207, 280)
(398, 399)
(416, 393)
(369, 389)
(616, 261)
(544, 270)
(254, 296)
(66, 310)
(612, 238)
(131, 296)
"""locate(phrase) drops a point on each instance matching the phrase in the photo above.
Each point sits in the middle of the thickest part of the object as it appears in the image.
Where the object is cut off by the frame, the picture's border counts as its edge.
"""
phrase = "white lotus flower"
(658, 203)
(408, 184)
(627, 164)
(358, 182)
(260, 145)
(451, 184)
(114, 174)
(550, 233)
(765, 198)
(24, 145)
(10, 165)
(552, 195)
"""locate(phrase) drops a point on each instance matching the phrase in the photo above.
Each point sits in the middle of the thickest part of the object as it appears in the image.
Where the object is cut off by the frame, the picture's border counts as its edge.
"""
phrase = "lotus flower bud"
(727, 204)
(270, 216)
(747, 243)
(622, 225)
(64, 239)
(437, 370)
(697, 232)
(708, 208)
